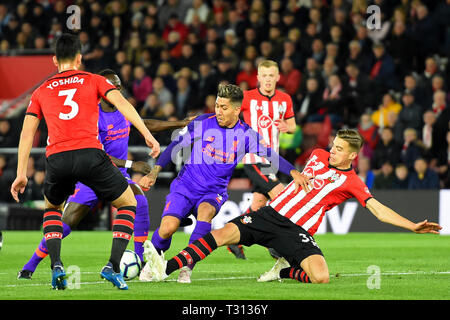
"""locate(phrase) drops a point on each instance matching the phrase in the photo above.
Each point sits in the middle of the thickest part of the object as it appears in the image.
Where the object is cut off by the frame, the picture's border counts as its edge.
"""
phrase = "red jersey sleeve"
(34, 107)
(289, 108)
(359, 190)
(103, 85)
(245, 104)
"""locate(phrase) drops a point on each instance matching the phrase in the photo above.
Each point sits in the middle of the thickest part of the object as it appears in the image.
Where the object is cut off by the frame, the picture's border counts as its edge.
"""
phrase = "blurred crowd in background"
(390, 82)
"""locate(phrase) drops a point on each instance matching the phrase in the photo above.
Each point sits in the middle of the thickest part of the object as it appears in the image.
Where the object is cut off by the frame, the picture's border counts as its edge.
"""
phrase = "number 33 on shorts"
(308, 239)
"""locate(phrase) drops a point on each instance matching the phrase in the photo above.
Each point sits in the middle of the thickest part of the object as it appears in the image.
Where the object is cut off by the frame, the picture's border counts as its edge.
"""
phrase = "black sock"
(123, 227)
(294, 273)
(196, 251)
(53, 233)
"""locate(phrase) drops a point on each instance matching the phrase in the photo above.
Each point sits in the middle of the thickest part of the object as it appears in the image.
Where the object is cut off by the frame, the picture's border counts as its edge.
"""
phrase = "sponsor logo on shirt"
(264, 122)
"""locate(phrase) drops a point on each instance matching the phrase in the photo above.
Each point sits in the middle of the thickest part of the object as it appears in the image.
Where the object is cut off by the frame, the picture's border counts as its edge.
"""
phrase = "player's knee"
(320, 278)
(166, 230)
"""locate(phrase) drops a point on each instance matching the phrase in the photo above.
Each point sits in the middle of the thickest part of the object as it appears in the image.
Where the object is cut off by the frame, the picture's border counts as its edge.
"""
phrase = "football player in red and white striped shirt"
(268, 111)
(290, 221)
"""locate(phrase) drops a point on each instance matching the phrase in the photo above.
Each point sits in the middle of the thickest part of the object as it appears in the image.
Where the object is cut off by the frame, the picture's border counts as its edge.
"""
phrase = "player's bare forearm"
(160, 125)
(30, 125)
(387, 215)
(292, 126)
(138, 166)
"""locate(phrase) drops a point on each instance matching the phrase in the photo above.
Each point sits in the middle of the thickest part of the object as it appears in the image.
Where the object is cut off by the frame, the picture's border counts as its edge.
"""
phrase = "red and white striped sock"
(123, 227)
(196, 251)
(294, 273)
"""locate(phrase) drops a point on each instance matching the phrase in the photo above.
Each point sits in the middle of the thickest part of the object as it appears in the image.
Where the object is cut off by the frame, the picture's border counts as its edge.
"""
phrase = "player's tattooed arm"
(149, 180)
(154, 125)
(137, 166)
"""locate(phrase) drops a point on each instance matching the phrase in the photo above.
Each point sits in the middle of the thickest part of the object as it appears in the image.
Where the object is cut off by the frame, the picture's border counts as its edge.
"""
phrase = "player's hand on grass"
(427, 227)
(154, 145)
(141, 166)
(302, 180)
(18, 186)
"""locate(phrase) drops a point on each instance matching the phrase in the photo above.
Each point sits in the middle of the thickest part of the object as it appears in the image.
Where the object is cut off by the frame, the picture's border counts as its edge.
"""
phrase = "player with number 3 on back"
(68, 101)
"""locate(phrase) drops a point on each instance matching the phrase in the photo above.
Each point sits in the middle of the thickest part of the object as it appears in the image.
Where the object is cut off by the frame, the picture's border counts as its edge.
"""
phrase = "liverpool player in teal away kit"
(219, 142)
(289, 222)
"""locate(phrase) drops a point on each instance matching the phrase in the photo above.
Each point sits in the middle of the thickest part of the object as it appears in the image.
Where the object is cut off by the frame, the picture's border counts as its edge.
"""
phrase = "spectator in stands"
(411, 86)
(401, 179)
(311, 101)
(382, 72)
(225, 72)
(364, 172)
(318, 50)
(329, 68)
(387, 149)
(385, 178)
(423, 177)
(188, 58)
(170, 9)
(439, 102)
(411, 114)
(290, 51)
(184, 98)
(358, 94)
(207, 81)
(369, 132)
(199, 9)
(8, 138)
(400, 45)
(11, 30)
(248, 74)
(165, 71)
(290, 77)
(164, 94)
(412, 148)
(431, 69)
(425, 33)
(151, 107)
(357, 57)
(379, 116)
(209, 104)
(333, 97)
(142, 85)
(437, 84)
(429, 118)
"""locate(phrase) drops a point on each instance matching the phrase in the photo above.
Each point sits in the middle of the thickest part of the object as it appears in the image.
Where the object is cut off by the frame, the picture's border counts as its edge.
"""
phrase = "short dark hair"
(112, 76)
(67, 47)
(352, 136)
(232, 92)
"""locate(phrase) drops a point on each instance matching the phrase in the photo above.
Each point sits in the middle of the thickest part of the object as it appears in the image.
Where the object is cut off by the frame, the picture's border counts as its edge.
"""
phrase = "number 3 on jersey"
(69, 102)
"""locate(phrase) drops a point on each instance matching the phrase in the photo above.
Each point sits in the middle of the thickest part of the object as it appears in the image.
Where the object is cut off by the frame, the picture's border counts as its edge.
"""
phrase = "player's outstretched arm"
(387, 215)
(130, 113)
(30, 125)
(159, 125)
(137, 166)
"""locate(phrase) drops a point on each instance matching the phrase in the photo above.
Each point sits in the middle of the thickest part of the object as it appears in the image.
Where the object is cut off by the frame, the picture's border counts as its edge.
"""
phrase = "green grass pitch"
(410, 267)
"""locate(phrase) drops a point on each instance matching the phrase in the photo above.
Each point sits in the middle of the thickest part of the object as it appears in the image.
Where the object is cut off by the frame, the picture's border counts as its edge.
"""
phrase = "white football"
(130, 265)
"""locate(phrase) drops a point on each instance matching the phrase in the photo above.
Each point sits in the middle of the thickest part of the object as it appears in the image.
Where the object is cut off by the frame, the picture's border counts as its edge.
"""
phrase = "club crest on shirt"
(246, 220)
(334, 177)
